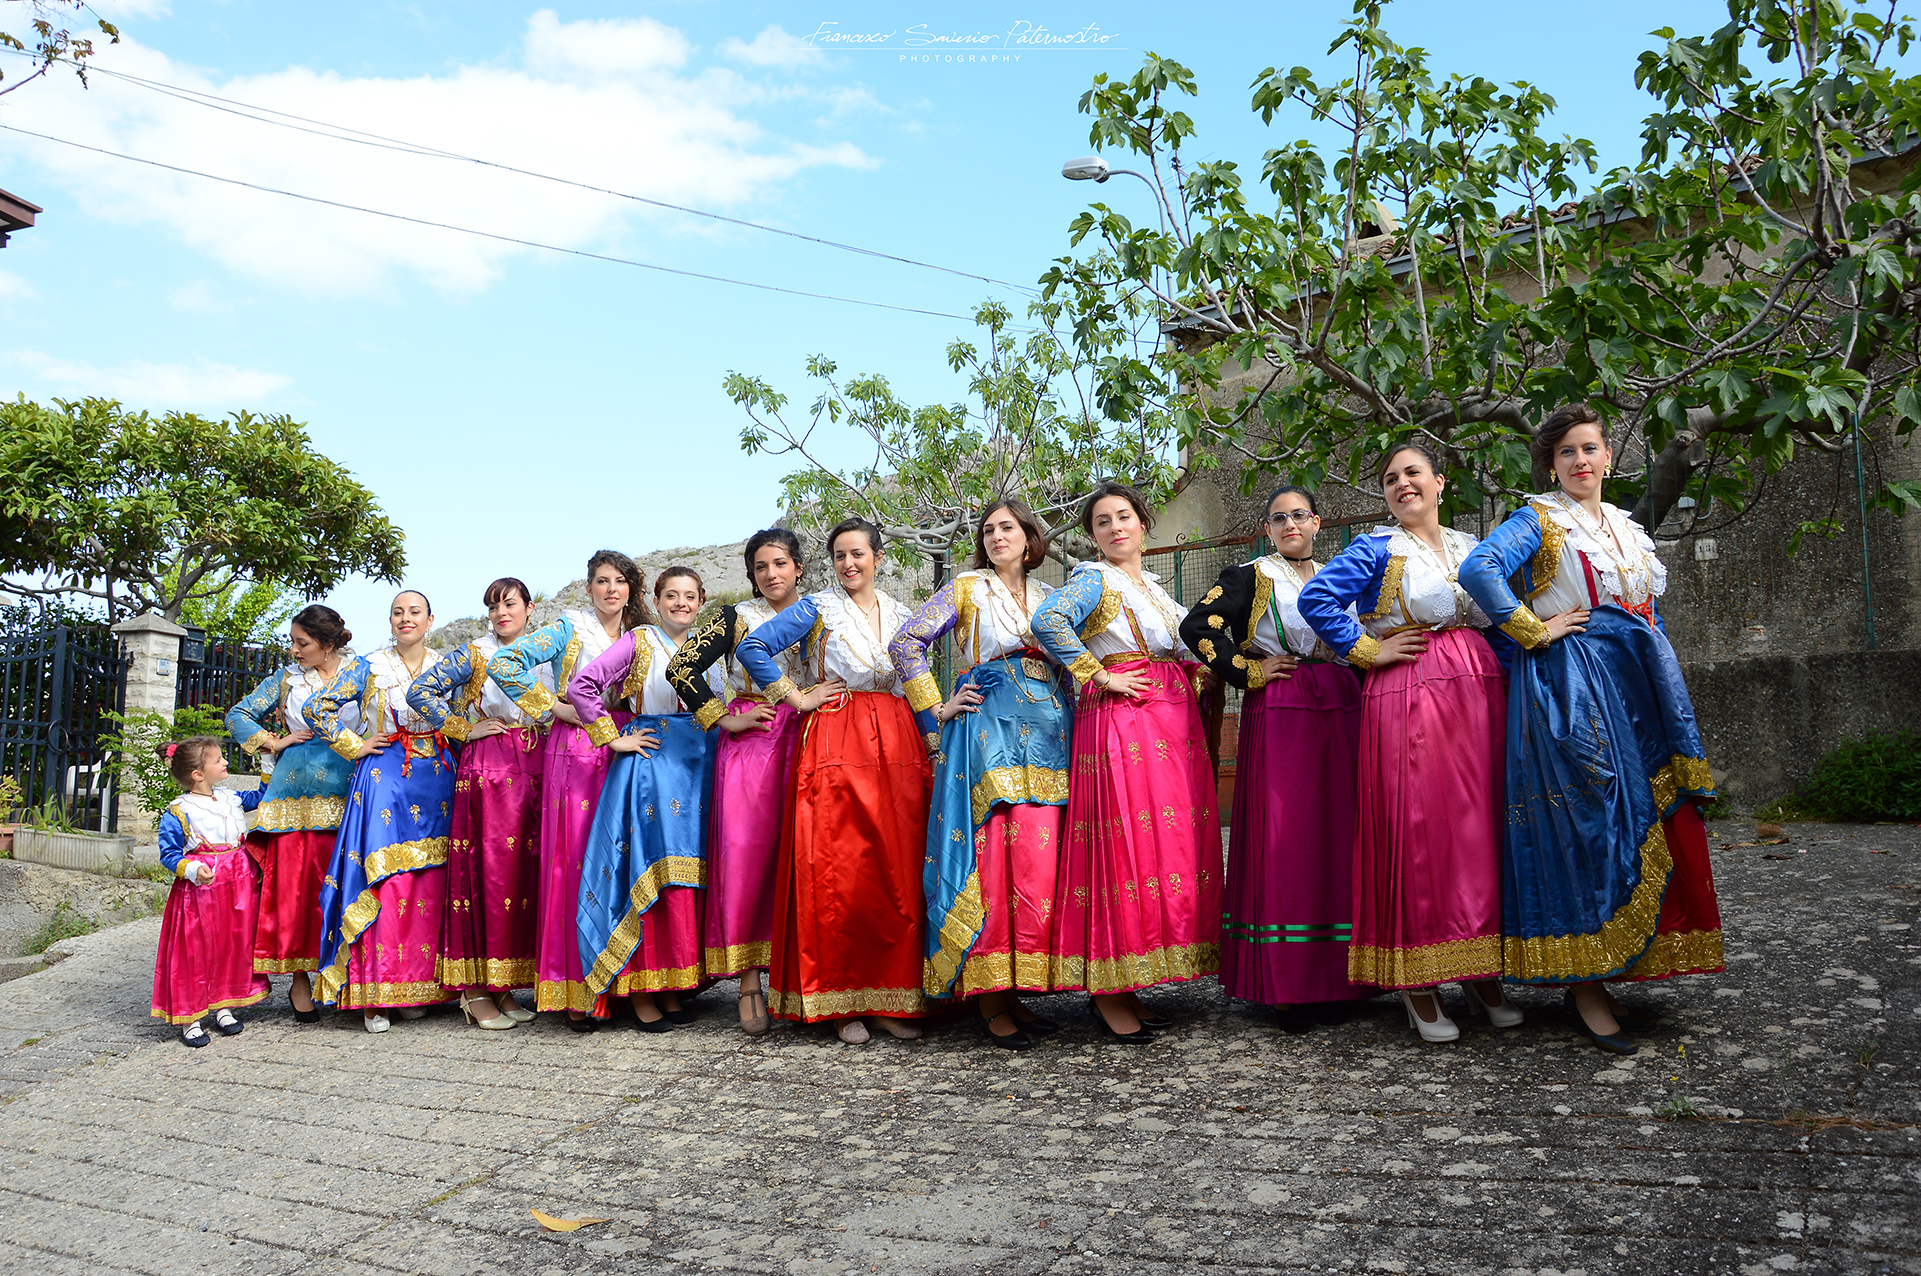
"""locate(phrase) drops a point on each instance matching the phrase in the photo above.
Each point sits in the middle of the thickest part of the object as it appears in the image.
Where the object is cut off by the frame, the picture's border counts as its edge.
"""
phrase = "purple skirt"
(1288, 908)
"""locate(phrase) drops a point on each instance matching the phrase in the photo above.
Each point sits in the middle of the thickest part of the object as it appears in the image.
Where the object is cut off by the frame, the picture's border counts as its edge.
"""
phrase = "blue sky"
(515, 410)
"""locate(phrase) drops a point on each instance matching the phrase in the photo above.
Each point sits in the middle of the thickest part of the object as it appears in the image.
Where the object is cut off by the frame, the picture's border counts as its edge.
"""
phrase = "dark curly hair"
(635, 613)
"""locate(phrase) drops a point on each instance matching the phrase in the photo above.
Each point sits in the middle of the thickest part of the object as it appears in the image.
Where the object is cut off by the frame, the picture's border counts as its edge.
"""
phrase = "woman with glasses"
(1605, 870)
(1287, 912)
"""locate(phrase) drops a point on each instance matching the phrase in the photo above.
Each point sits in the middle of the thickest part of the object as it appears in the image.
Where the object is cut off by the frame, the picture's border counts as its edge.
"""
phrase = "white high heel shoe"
(1441, 1029)
(499, 1023)
(511, 1007)
(376, 1023)
(1502, 1014)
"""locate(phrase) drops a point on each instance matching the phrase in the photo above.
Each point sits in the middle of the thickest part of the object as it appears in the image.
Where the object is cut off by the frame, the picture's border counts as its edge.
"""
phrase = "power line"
(341, 133)
(487, 234)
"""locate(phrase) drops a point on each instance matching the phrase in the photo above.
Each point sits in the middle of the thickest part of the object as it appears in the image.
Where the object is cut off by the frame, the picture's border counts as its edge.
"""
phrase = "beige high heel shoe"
(511, 1007)
(499, 1023)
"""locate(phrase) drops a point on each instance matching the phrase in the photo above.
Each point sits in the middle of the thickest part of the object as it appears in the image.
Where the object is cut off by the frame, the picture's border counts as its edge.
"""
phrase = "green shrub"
(1874, 778)
(141, 772)
(64, 924)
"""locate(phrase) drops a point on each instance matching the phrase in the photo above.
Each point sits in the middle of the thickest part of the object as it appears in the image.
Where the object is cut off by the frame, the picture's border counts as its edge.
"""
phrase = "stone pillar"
(152, 644)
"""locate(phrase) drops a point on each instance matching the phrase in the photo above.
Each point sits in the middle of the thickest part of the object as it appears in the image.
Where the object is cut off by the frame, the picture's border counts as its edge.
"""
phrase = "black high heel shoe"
(663, 1024)
(683, 1016)
(1149, 1020)
(1139, 1037)
(1039, 1025)
(586, 1023)
(1618, 1043)
(310, 1015)
(1015, 1040)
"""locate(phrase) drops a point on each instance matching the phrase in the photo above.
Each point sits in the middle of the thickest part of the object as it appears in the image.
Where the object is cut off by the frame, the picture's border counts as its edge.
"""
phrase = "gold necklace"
(1154, 594)
(1015, 612)
(413, 671)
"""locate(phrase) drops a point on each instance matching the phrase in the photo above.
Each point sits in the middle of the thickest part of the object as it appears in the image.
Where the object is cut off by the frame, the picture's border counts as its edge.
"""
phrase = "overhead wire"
(358, 137)
(492, 235)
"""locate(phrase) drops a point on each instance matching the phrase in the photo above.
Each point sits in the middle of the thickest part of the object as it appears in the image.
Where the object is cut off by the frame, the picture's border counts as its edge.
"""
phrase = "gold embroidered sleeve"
(455, 727)
(1525, 628)
(602, 731)
(347, 744)
(923, 692)
(782, 688)
(1547, 559)
(1363, 653)
(1256, 675)
(709, 714)
(1390, 588)
(537, 701)
(1206, 649)
(256, 742)
(1211, 595)
(1085, 666)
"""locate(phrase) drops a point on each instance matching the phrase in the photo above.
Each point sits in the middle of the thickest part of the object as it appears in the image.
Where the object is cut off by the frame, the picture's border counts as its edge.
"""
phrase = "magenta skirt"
(753, 772)
(1137, 898)
(1288, 910)
(205, 961)
(1427, 852)
(1016, 852)
(575, 770)
(493, 863)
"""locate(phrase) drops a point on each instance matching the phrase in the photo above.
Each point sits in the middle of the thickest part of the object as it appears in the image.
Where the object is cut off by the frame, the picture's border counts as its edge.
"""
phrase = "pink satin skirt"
(1015, 852)
(205, 961)
(753, 772)
(1138, 898)
(1427, 847)
(570, 789)
(493, 863)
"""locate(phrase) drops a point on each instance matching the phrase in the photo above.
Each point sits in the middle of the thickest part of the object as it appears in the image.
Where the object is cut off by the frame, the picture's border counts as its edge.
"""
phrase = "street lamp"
(1093, 168)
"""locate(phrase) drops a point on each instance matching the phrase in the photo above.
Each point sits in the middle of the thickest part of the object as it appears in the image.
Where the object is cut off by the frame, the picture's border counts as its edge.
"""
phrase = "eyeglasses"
(1299, 516)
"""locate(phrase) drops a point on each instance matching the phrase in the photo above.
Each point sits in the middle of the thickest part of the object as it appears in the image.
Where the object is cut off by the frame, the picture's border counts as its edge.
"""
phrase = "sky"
(514, 409)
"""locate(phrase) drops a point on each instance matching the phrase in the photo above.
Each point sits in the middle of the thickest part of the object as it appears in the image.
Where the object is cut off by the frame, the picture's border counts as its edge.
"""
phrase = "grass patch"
(1680, 1108)
(154, 873)
(1864, 781)
(66, 923)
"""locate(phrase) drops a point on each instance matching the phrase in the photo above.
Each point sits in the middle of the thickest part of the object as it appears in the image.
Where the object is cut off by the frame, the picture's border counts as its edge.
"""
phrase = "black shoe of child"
(194, 1035)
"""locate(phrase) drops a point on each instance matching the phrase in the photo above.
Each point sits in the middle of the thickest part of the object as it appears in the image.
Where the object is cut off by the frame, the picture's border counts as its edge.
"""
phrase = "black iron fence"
(57, 687)
(225, 672)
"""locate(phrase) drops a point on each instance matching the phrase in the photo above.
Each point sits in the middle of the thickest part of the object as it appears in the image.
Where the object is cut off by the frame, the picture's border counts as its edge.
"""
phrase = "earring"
(1608, 470)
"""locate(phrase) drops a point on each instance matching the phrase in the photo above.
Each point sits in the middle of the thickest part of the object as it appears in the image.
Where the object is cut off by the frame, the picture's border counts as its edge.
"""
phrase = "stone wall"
(1766, 720)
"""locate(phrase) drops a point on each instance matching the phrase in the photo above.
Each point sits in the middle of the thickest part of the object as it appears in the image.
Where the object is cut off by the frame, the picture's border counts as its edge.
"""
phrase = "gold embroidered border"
(1525, 628)
(602, 731)
(722, 963)
(1256, 674)
(255, 742)
(1085, 666)
(1477, 957)
(675, 870)
(1103, 614)
(1622, 938)
(1133, 970)
(284, 965)
(634, 685)
(384, 996)
(923, 692)
(569, 660)
(404, 857)
(958, 931)
(1390, 588)
(536, 701)
(477, 679)
(1547, 559)
(967, 612)
(562, 994)
(1679, 952)
(780, 689)
(710, 713)
(1364, 652)
(299, 815)
(1263, 594)
(251, 999)
(1682, 775)
(678, 980)
(842, 1003)
(998, 972)
(485, 972)
(455, 727)
(1018, 786)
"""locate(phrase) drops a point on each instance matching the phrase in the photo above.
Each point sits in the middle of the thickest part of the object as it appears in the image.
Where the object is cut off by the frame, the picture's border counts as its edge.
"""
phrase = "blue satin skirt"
(649, 833)
(1601, 747)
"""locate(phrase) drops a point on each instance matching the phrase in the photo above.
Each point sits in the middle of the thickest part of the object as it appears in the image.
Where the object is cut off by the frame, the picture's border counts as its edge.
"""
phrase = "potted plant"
(49, 837)
(10, 799)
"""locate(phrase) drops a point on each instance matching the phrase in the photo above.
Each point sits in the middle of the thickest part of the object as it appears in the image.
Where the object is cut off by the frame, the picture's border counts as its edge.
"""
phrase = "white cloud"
(774, 46)
(199, 298)
(14, 288)
(608, 102)
(117, 11)
(153, 387)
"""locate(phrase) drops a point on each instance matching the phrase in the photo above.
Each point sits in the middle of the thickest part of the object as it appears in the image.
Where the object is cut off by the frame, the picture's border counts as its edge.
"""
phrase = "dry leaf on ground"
(553, 1224)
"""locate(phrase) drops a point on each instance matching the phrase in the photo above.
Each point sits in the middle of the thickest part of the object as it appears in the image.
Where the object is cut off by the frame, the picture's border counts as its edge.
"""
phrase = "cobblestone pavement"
(1228, 1145)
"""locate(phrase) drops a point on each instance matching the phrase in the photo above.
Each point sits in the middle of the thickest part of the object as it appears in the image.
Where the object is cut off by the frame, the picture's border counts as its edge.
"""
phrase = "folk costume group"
(1459, 762)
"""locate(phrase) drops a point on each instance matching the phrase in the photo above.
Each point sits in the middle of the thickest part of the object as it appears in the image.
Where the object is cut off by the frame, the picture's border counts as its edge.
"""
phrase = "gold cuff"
(1525, 628)
(602, 730)
(180, 871)
(456, 727)
(256, 742)
(710, 713)
(932, 740)
(537, 702)
(347, 745)
(1256, 673)
(781, 688)
(1361, 655)
(922, 692)
(1085, 666)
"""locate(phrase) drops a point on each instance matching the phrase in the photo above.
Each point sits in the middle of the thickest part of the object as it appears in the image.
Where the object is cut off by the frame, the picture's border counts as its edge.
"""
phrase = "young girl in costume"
(205, 960)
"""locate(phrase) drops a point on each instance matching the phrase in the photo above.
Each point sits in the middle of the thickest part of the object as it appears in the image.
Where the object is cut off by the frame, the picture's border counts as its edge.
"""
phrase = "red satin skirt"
(848, 907)
(669, 956)
(1688, 939)
(292, 866)
(205, 961)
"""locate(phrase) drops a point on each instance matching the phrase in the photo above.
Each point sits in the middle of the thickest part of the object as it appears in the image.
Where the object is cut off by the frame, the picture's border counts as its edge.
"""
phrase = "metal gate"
(225, 672)
(56, 688)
